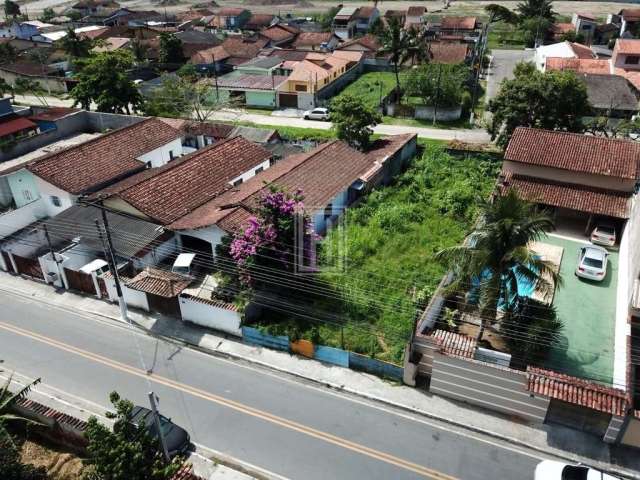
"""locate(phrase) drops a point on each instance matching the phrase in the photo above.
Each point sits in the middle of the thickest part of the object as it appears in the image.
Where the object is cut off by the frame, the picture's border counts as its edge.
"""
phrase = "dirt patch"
(60, 465)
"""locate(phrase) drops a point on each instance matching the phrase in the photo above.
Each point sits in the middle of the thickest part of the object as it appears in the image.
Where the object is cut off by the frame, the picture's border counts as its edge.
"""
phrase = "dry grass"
(60, 465)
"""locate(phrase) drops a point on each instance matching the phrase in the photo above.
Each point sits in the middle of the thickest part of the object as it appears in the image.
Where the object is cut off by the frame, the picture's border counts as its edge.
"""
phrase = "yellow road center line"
(240, 407)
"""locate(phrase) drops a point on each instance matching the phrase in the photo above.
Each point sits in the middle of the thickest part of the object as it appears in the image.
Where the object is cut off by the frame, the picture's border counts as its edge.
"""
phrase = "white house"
(561, 50)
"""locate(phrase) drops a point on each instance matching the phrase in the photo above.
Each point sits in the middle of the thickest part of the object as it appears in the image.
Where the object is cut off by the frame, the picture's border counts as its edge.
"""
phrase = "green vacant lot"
(371, 87)
(588, 311)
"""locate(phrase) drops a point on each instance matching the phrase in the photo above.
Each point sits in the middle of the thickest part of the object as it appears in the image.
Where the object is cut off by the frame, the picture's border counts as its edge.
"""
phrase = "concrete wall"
(208, 314)
(427, 347)
(261, 99)
(15, 220)
(331, 89)
(486, 386)
(338, 206)
(157, 253)
(631, 435)
(163, 155)
(133, 298)
(211, 234)
(48, 265)
(23, 187)
(442, 114)
(48, 84)
(47, 191)
(558, 175)
(306, 101)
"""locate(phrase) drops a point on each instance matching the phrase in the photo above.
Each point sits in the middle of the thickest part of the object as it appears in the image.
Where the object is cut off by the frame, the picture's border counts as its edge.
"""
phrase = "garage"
(288, 100)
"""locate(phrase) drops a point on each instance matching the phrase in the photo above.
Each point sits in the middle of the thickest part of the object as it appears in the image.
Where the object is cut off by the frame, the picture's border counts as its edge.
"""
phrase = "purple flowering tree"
(268, 239)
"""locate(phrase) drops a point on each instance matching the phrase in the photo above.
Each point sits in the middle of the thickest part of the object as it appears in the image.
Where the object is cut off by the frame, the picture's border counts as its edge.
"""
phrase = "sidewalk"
(566, 444)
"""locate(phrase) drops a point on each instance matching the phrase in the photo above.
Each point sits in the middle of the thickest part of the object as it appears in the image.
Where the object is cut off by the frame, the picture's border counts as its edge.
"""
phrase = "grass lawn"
(587, 310)
(506, 37)
(371, 87)
(387, 243)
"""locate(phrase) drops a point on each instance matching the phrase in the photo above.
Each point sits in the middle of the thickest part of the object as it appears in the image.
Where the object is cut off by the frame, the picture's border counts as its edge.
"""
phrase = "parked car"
(604, 234)
(317, 114)
(177, 438)
(551, 470)
(592, 263)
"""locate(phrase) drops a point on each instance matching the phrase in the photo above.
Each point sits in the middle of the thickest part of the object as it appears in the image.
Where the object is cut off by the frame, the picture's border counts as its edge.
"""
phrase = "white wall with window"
(251, 173)
(164, 154)
(55, 200)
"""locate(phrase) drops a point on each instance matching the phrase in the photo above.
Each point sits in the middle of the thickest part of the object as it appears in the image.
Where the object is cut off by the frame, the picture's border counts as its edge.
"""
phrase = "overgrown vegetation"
(371, 87)
(368, 303)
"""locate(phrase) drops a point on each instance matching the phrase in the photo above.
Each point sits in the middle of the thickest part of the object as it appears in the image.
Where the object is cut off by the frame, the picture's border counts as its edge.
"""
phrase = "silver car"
(317, 114)
(604, 234)
(592, 263)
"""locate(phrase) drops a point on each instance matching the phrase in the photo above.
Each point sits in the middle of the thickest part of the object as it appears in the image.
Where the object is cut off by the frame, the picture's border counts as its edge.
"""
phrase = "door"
(29, 267)
(164, 305)
(288, 100)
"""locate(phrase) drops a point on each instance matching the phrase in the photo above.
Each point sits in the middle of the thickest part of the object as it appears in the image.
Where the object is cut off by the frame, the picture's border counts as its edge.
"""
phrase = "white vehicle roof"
(595, 252)
(184, 260)
(93, 265)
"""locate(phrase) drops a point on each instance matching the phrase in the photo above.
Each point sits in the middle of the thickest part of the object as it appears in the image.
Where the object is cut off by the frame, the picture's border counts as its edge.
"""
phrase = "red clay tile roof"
(577, 391)
(159, 282)
(258, 21)
(244, 48)
(575, 152)
(455, 344)
(29, 69)
(628, 46)
(210, 55)
(277, 33)
(449, 53)
(458, 23)
(176, 189)
(16, 125)
(598, 66)
(93, 164)
(368, 41)
(581, 51)
(364, 12)
(307, 39)
(566, 195)
(630, 14)
(251, 82)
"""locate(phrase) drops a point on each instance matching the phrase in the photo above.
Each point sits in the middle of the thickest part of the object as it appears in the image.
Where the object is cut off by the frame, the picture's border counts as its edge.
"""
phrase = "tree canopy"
(103, 79)
(170, 49)
(127, 452)
(536, 9)
(353, 120)
(441, 85)
(551, 100)
(76, 46)
(11, 9)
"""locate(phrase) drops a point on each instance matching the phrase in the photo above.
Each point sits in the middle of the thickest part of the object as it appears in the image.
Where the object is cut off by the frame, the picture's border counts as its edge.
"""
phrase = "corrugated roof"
(93, 164)
(16, 125)
(566, 195)
(574, 152)
(577, 391)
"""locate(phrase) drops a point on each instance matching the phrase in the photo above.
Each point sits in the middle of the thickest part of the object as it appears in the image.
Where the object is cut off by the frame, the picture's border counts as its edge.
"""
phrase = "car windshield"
(571, 472)
(592, 262)
(165, 425)
(607, 230)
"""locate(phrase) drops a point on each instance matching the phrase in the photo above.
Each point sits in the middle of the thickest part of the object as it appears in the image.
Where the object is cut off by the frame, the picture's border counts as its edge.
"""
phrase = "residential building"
(230, 18)
(459, 27)
(280, 35)
(320, 41)
(165, 195)
(111, 44)
(48, 78)
(585, 25)
(559, 30)
(233, 51)
(23, 30)
(629, 20)
(561, 50)
(415, 17)
(90, 7)
(449, 52)
(365, 18)
(344, 23)
(259, 21)
(611, 96)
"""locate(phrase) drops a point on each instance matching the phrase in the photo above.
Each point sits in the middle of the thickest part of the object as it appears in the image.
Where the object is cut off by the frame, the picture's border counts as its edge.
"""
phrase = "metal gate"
(28, 266)
(288, 100)
(164, 305)
(80, 281)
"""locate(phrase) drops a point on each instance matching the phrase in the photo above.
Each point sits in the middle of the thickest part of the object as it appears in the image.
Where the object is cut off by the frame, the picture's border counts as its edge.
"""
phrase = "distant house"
(459, 26)
(585, 25)
(611, 96)
(47, 77)
(368, 44)
(250, 89)
(233, 51)
(415, 17)
(365, 17)
(344, 22)
(90, 7)
(280, 35)
(258, 21)
(23, 30)
(560, 30)
(112, 44)
(561, 50)
(629, 21)
(321, 41)
(449, 53)
(230, 18)
(580, 176)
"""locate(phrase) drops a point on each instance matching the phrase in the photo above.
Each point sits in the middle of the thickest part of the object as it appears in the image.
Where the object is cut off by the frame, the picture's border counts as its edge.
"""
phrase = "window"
(55, 201)
(26, 194)
(632, 60)
(328, 210)
(301, 88)
(258, 170)
(171, 155)
(237, 182)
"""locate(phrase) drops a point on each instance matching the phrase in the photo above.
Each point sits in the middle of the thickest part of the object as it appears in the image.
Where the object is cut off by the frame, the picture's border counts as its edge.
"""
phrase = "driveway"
(502, 66)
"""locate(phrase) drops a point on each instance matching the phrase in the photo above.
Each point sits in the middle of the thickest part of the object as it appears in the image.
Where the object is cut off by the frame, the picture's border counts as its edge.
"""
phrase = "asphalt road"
(277, 423)
(502, 66)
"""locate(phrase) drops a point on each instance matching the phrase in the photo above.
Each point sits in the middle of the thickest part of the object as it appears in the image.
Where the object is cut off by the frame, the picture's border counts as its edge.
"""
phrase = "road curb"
(607, 468)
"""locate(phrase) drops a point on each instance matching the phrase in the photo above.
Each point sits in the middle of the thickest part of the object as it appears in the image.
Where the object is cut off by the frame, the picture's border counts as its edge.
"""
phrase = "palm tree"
(497, 256)
(399, 44)
(8, 400)
(536, 9)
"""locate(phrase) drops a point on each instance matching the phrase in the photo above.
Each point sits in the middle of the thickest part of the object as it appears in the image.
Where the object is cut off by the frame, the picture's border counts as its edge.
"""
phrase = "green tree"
(47, 14)
(76, 46)
(399, 44)
(439, 84)
(170, 49)
(498, 13)
(572, 36)
(602, 126)
(11, 9)
(139, 50)
(552, 100)
(535, 30)
(28, 86)
(353, 120)
(377, 27)
(103, 79)
(8, 53)
(536, 9)
(127, 452)
(497, 256)
(326, 19)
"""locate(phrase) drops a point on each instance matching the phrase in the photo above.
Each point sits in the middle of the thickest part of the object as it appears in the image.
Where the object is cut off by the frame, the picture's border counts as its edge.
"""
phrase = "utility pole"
(479, 71)
(108, 252)
(53, 253)
(435, 107)
(156, 419)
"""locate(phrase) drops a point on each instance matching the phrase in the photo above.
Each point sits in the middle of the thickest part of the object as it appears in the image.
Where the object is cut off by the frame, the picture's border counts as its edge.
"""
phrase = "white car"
(317, 114)
(592, 263)
(550, 470)
(604, 234)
